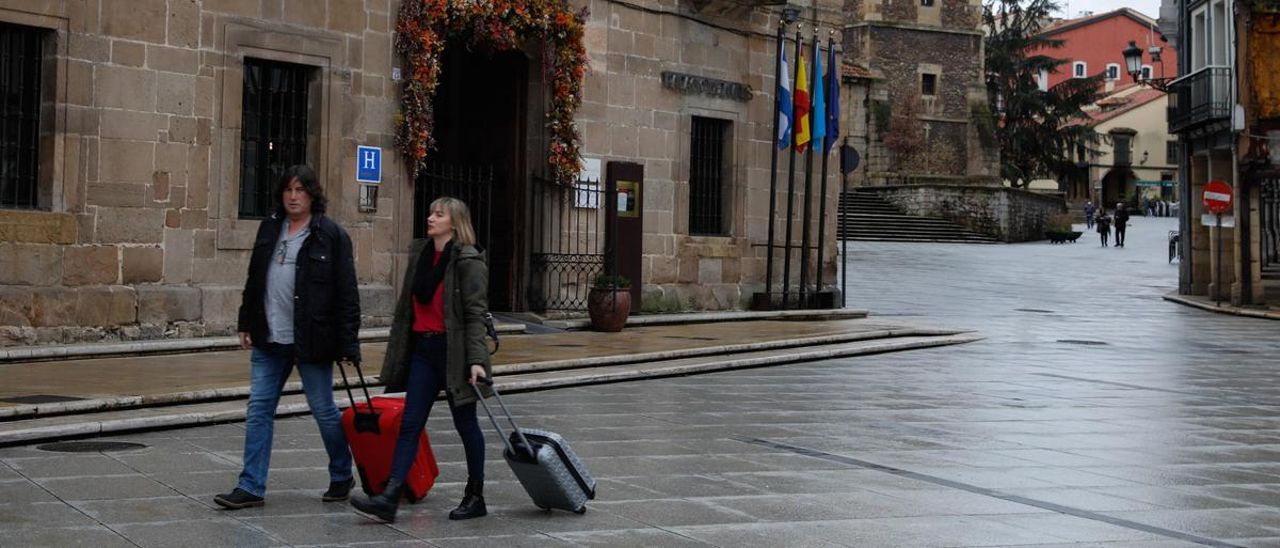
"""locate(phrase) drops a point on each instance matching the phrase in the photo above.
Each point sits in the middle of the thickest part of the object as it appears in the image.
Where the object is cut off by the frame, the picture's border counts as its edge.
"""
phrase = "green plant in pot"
(609, 302)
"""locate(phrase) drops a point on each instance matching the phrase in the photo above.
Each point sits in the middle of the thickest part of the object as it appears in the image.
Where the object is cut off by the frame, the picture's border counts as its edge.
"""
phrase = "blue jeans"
(271, 365)
(427, 378)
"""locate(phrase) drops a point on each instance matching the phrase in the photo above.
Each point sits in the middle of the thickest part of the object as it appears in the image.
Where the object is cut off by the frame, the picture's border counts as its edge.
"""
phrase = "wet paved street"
(1094, 414)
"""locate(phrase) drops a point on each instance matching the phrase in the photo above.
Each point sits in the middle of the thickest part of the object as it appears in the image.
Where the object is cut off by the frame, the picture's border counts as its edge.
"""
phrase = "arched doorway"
(481, 153)
(1118, 185)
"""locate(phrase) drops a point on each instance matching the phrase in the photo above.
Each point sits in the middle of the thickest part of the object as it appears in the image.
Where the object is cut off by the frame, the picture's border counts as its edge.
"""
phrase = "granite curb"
(211, 344)
(92, 428)
(215, 394)
(1225, 309)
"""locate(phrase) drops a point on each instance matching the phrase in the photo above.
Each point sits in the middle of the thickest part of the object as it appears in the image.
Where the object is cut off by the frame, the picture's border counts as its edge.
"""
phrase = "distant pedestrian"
(1089, 211)
(1122, 222)
(1151, 208)
(1104, 226)
(300, 308)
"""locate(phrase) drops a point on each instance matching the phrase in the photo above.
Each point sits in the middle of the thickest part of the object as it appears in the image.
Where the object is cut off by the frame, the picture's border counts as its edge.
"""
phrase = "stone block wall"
(137, 234)
(1010, 214)
(628, 115)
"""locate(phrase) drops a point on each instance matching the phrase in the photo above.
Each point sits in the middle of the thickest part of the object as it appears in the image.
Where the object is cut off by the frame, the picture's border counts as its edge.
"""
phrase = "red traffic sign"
(1217, 197)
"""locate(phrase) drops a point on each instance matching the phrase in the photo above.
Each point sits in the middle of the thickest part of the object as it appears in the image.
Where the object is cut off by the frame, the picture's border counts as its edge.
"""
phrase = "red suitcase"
(372, 430)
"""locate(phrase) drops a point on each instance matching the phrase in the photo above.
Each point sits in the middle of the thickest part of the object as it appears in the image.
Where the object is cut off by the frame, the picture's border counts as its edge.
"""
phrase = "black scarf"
(428, 277)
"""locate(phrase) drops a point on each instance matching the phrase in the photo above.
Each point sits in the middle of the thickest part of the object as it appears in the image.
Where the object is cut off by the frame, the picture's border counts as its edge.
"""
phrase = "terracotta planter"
(609, 308)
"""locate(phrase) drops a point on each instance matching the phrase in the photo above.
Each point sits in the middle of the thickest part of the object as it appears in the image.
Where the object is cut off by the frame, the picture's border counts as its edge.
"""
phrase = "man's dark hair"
(307, 177)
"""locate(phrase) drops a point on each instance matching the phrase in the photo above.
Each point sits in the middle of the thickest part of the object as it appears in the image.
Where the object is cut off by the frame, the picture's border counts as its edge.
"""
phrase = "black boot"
(472, 505)
(381, 507)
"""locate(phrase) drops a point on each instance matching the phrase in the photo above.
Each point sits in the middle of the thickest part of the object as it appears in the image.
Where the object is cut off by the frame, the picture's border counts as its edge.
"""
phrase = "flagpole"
(791, 188)
(805, 240)
(773, 162)
(826, 153)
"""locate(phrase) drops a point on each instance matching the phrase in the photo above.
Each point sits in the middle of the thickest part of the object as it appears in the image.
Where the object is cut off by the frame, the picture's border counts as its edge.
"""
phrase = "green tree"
(1038, 131)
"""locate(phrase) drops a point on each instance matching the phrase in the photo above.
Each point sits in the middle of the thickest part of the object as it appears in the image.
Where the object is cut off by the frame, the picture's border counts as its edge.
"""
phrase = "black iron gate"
(471, 184)
(1269, 213)
(568, 242)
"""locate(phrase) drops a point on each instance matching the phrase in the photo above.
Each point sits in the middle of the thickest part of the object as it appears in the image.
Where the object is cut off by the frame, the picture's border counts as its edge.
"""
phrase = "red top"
(430, 317)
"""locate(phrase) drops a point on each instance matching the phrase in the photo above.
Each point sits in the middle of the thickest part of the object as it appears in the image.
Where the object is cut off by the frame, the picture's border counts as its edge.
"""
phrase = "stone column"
(1202, 269)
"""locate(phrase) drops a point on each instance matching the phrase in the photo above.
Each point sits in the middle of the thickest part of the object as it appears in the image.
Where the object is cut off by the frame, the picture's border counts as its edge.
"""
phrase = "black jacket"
(326, 307)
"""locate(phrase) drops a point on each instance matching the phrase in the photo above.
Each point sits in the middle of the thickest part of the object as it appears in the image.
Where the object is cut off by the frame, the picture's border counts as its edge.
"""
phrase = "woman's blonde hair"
(460, 214)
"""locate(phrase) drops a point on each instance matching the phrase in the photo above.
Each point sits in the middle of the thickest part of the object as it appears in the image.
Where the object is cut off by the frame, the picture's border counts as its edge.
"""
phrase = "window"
(1146, 72)
(1113, 71)
(1079, 69)
(274, 130)
(926, 3)
(1171, 153)
(21, 56)
(1199, 39)
(1043, 80)
(707, 176)
(1122, 147)
(928, 84)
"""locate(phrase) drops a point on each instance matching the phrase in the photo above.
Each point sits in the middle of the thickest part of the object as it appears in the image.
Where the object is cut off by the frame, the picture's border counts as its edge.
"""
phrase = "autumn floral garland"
(425, 25)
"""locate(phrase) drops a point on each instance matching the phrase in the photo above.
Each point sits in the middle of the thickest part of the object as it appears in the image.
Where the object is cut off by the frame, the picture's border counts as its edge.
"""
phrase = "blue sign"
(368, 165)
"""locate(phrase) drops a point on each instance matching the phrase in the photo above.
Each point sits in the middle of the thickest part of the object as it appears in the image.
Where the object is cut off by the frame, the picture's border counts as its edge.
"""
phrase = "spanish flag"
(801, 110)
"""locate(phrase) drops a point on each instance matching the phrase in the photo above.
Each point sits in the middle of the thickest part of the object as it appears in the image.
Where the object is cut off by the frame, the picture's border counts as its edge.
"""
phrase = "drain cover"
(1077, 341)
(89, 446)
(40, 398)
(1036, 310)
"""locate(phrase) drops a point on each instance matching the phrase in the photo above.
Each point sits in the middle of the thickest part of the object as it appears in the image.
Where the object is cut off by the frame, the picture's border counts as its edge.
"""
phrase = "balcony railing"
(1199, 98)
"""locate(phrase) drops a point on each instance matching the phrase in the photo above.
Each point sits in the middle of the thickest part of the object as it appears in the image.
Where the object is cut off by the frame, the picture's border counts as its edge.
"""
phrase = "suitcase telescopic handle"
(520, 434)
(347, 384)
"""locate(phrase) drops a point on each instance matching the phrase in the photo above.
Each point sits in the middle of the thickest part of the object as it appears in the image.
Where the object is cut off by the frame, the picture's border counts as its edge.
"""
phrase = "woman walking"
(1104, 226)
(438, 343)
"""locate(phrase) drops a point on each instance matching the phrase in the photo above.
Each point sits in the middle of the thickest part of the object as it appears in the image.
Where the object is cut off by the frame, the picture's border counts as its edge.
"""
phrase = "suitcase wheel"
(581, 511)
(544, 508)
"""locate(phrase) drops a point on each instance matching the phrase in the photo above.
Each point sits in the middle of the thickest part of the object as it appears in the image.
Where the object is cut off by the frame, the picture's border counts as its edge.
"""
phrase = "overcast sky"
(1072, 8)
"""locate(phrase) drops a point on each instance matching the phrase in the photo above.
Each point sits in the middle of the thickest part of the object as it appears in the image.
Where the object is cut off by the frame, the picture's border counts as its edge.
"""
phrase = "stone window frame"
(1113, 68)
(1080, 69)
(735, 174)
(57, 176)
(260, 40)
(1145, 72)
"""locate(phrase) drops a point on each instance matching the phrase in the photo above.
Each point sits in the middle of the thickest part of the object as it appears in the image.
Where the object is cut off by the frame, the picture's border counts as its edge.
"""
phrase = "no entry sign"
(1217, 197)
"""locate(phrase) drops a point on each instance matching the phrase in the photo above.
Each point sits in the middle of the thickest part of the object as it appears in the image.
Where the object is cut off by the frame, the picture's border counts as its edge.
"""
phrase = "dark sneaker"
(338, 491)
(238, 499)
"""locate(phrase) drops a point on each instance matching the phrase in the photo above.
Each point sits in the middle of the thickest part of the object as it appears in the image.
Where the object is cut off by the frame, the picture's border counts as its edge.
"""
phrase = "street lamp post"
(1133, 63)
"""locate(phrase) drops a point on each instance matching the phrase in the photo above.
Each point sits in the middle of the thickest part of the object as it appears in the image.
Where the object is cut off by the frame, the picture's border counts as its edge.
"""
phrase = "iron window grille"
(1171, 153)
(1122, 146)
(21, 57)
(928, 84)
(274, 129)
(707, 176)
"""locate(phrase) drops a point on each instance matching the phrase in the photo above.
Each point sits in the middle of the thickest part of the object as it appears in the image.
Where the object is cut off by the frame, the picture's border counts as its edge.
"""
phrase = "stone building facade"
(150, 161)
(928, 54)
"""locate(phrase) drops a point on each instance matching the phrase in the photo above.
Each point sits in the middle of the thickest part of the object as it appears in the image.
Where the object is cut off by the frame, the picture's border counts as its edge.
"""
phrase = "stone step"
(912, 239)
(873, 330)
(197, 413)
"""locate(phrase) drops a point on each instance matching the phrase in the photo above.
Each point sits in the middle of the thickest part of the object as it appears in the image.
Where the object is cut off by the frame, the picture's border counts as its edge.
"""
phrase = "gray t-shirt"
(281, 275)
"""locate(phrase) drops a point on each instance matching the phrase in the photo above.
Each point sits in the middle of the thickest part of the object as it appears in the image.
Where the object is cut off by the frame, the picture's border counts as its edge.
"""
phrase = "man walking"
(1122, 221)
(1089, 211)
(300, 308)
